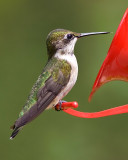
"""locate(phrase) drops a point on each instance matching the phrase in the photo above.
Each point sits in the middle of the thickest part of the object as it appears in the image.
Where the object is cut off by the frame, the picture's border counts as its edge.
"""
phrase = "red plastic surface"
(66, 105)
(108, 112)
(115, 65)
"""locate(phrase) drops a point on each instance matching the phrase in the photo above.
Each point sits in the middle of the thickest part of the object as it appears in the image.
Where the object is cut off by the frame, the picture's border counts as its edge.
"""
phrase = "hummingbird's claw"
(58, 107)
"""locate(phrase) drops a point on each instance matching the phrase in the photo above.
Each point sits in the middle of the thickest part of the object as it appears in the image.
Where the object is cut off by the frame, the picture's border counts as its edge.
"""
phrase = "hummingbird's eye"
(69, 36)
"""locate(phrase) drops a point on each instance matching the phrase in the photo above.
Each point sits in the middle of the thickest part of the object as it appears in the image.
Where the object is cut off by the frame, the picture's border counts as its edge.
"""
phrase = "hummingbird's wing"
(50, 87)
(45, 96)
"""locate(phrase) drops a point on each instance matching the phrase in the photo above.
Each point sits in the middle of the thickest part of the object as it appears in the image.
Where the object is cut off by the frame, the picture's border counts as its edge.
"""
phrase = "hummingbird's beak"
(90, 33)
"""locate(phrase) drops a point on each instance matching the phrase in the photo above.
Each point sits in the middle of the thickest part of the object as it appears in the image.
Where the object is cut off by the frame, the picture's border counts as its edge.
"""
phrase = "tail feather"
(15, 132)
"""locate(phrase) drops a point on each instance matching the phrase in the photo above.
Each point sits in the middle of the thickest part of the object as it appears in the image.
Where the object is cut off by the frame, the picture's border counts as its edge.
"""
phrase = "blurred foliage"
(24, 25)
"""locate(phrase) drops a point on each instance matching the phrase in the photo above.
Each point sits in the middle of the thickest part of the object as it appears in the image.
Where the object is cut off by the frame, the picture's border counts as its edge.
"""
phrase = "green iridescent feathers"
(51, 69)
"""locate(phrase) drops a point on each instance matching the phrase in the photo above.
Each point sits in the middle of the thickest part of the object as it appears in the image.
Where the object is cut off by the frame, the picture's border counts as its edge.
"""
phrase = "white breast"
(74, 73)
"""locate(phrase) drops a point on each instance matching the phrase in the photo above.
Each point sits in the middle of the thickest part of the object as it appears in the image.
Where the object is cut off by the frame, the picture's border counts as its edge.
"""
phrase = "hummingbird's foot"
(58, 107)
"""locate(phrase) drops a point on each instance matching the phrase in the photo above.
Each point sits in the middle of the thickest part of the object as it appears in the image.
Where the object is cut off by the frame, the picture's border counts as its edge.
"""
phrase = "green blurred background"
(24, 25)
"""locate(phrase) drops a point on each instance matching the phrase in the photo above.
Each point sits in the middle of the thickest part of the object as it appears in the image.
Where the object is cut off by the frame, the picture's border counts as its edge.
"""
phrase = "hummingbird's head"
(61, 39)
(64, 41)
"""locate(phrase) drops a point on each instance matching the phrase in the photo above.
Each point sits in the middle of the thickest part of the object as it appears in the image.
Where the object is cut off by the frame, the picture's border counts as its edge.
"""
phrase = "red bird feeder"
(114, 67)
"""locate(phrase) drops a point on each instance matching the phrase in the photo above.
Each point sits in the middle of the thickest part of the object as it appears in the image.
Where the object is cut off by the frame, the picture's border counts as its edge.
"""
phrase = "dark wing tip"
(14, 133)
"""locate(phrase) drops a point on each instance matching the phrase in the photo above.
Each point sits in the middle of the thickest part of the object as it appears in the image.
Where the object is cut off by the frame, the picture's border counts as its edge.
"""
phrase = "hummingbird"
(57, 78)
